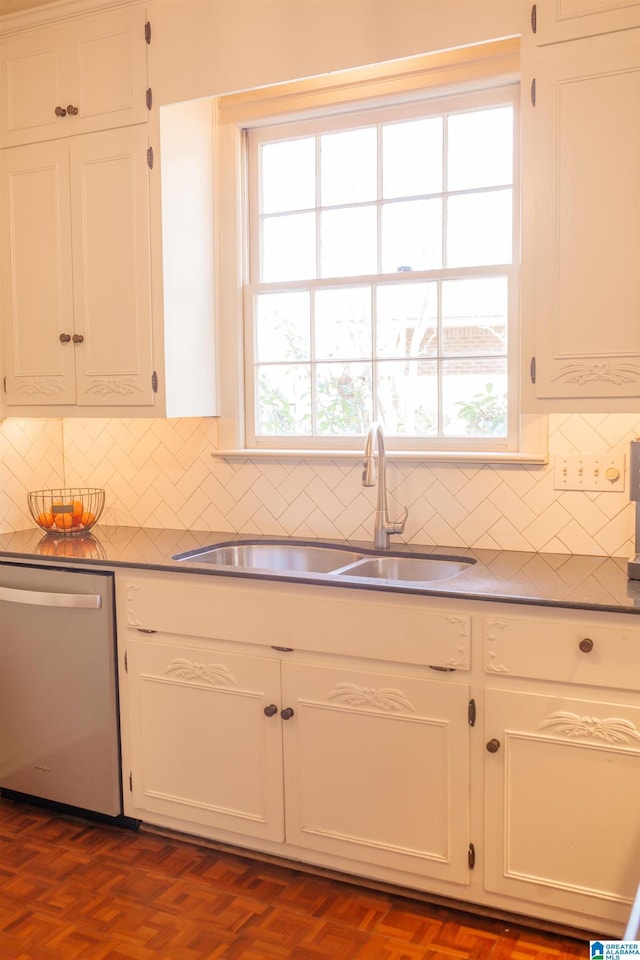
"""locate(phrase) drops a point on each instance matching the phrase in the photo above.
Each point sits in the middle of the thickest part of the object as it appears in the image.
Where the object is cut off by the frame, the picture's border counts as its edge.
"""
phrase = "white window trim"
(488, 65)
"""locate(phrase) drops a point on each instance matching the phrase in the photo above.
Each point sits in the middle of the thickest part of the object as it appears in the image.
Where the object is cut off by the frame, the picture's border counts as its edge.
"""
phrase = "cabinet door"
(96, 65)
(558, 20)
(111, 268)
(376, 769)
(584, 177)
(37, 294)
(562, 802)
(203, 751)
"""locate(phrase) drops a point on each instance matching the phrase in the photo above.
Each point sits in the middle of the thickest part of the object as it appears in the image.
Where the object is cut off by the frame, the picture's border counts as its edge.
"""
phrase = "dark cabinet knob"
(287, 713)
(72, 111)
(60, 112)
(586, 645)
(78, 338)
(493, 745)
(271, 710)
(64, 337)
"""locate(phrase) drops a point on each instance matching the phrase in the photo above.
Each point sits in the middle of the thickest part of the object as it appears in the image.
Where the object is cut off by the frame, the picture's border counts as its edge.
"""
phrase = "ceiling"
(15, 6)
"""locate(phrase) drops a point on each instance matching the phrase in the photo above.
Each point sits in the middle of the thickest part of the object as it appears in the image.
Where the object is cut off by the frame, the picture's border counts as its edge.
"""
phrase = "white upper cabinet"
(581, 225)
(553, 21)
(78, 76)
(76, 290)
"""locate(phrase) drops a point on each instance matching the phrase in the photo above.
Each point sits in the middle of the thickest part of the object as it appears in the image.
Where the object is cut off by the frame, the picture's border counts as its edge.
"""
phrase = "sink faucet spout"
(383, 527)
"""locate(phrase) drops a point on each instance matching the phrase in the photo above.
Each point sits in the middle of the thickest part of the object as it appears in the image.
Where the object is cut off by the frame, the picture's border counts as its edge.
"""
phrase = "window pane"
(288, 175)
(348, 242)
(288, 248)
(342, 323)
(480, 149)
(343, 396)
(411, 235)
(407, 320)
(282, 326)
(474, 398)
(348, 167)
(474, 316)
(283, 400)
(385, 257)
(479, 229)
(408, 397)
(412, 158)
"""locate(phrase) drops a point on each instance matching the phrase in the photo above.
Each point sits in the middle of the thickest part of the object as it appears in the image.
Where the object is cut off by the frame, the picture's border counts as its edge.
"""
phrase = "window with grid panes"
(383, 276)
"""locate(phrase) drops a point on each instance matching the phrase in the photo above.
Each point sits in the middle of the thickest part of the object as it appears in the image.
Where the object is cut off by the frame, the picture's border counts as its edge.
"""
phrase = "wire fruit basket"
(66, 511)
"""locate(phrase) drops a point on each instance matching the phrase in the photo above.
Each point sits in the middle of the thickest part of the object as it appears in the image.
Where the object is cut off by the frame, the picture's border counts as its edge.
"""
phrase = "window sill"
(426, 456)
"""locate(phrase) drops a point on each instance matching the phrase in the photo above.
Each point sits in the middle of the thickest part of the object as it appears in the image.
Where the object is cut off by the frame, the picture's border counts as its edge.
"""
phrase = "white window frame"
(452, 73)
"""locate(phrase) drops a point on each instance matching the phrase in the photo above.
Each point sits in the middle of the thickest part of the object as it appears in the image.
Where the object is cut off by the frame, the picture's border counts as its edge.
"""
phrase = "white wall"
(202, 48)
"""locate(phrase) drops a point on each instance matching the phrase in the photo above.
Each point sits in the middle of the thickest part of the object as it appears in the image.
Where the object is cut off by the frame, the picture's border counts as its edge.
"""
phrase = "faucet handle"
(398, 525)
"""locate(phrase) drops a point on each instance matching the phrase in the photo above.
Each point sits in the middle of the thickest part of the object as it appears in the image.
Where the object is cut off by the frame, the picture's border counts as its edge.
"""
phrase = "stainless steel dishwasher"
(59, 737)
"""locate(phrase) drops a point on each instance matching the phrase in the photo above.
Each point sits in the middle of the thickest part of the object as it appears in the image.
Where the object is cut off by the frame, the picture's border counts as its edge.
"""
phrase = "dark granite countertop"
(555, 580)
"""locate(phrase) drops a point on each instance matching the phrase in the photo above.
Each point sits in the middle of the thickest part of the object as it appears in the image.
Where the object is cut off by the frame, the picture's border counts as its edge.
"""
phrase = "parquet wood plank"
(72, 890)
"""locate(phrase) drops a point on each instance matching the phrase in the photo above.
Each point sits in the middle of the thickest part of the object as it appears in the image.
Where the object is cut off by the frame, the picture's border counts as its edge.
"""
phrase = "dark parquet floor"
(71, 890)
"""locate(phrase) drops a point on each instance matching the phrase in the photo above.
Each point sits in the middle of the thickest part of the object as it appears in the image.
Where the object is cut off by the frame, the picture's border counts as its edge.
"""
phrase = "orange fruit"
(45, 519)
(78, 510)
(63, 521)
(87, 518)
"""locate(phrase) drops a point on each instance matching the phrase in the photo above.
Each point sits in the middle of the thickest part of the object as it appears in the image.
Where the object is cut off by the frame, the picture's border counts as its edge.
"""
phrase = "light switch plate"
(597, 472)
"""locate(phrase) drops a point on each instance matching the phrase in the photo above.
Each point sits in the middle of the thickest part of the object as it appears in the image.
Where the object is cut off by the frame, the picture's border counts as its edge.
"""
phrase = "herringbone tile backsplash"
(160, 473)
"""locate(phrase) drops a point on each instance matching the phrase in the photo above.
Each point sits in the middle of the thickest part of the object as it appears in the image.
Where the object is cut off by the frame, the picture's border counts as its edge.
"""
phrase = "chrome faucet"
(383, 528)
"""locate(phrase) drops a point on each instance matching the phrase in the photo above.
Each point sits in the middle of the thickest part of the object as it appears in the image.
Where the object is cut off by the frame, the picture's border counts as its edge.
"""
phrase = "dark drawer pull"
(493, 745)
(271, 710)
(287, 713)
(586, 645)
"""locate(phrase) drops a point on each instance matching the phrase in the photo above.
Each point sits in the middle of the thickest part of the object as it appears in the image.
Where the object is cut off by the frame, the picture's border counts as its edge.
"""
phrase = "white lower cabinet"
(562, 764)
(202, 748)
(374, 764)
(377, 767)
(562, 785)
(480, 751)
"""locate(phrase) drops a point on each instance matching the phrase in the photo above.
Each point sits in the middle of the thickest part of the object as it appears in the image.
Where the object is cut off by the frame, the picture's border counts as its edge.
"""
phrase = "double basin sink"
(295, 559)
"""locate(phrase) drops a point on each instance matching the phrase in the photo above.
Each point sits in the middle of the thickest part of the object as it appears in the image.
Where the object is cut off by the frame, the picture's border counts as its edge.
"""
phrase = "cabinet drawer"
(357, 623)
(578, 651)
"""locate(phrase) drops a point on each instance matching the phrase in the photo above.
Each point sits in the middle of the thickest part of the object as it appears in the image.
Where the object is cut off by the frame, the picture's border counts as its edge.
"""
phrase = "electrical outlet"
(599, 472)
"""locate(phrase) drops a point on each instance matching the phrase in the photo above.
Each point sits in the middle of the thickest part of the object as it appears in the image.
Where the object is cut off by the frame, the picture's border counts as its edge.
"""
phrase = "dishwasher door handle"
(38, 598)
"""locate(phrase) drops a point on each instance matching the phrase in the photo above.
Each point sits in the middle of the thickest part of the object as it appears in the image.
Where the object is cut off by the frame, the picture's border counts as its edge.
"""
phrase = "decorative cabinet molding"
(112, 387)
(386, 698)
(215, 674)
(582, 374)
(132, 590)
(609, 730)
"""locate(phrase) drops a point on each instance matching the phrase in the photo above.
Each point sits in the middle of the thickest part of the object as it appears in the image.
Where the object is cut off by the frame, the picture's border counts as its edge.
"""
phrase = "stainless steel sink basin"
(301, 558)
(407, 569)
(287, 557)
